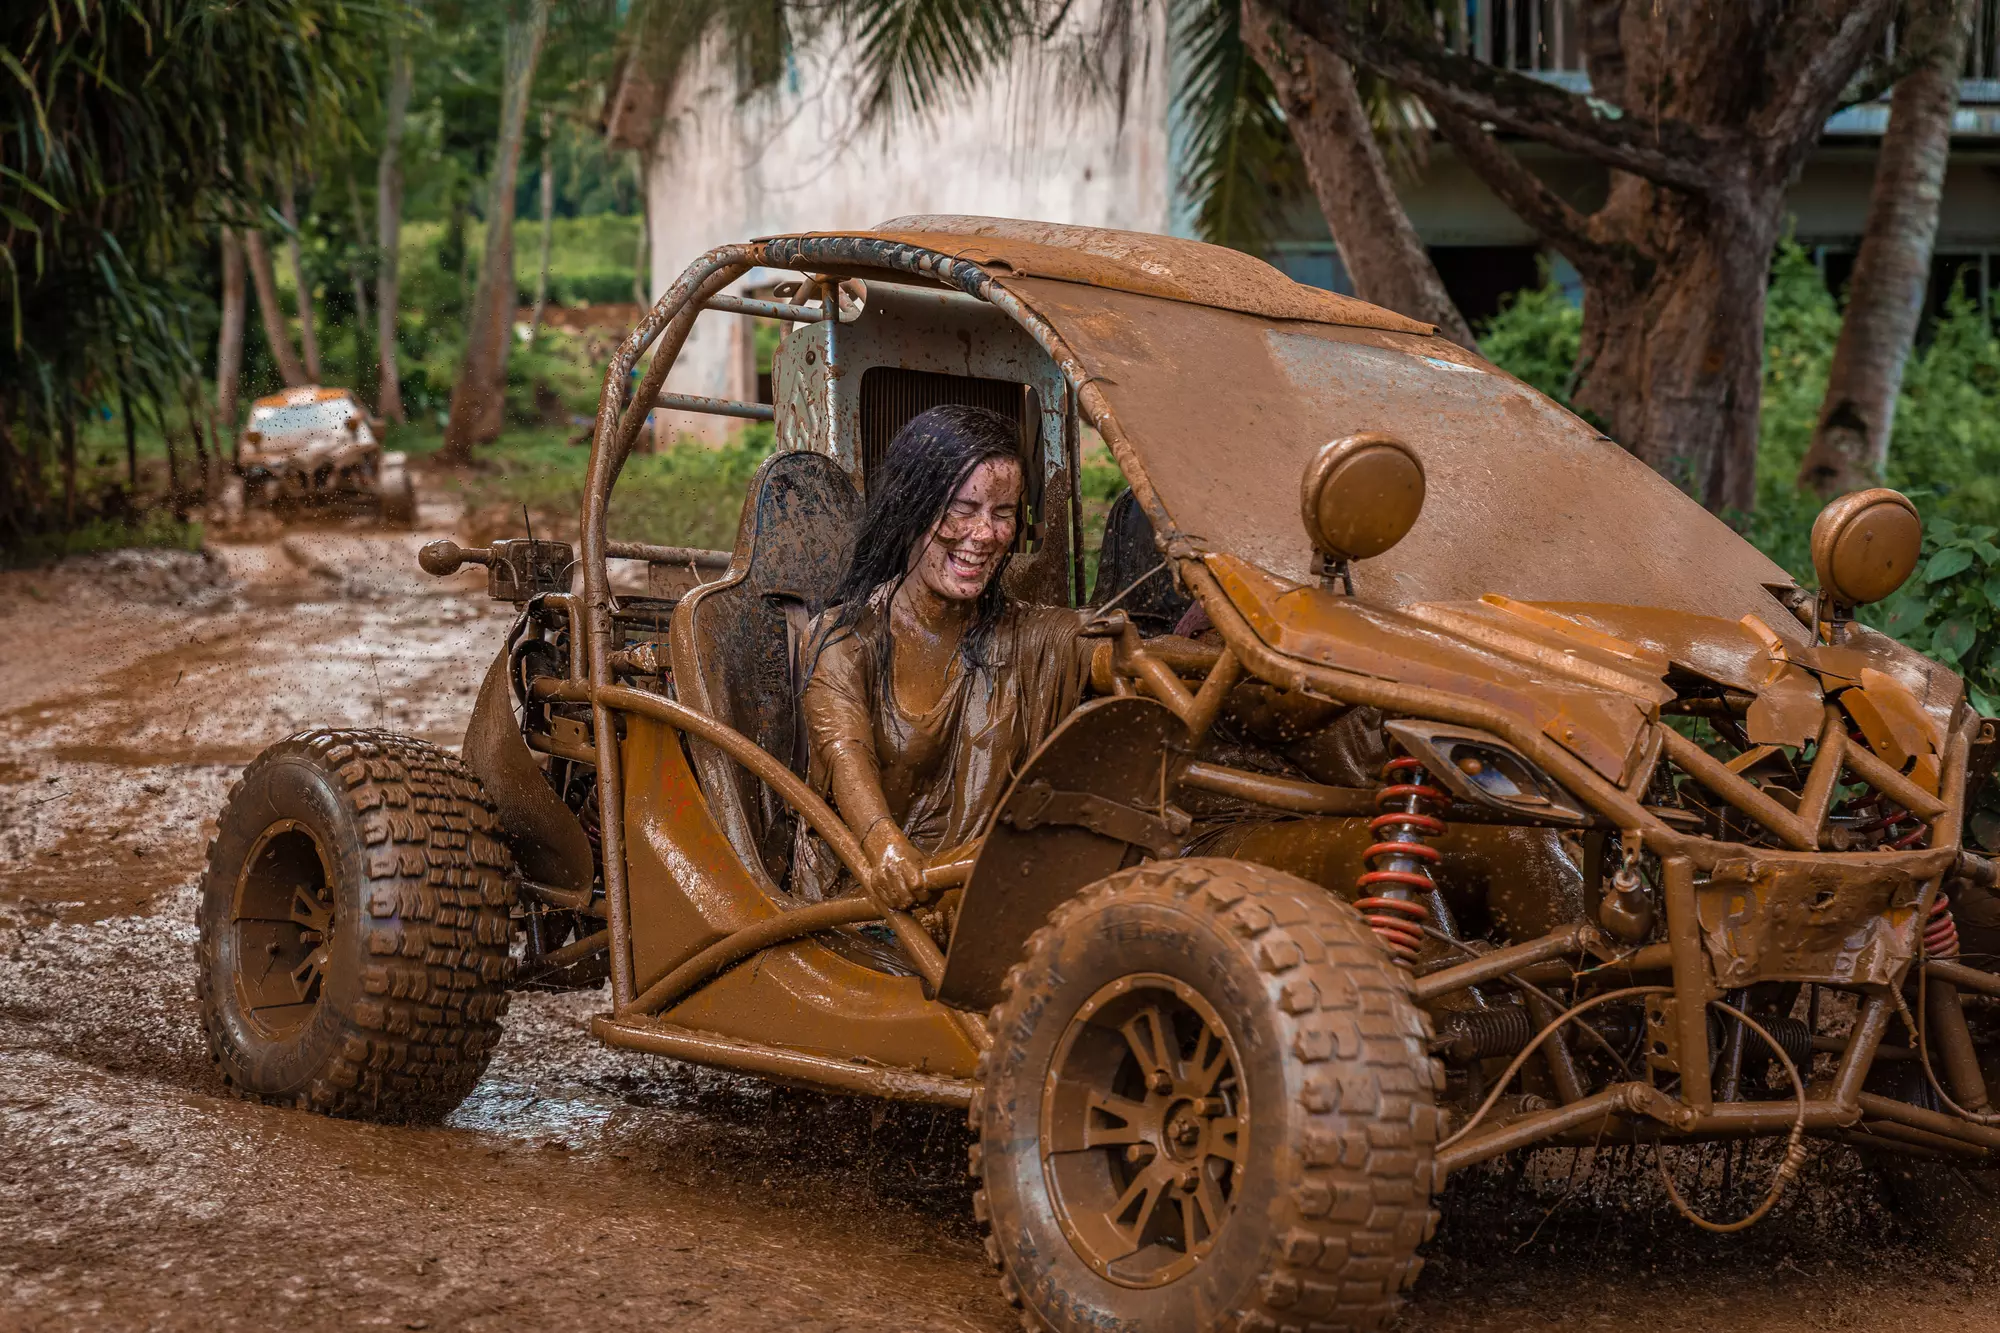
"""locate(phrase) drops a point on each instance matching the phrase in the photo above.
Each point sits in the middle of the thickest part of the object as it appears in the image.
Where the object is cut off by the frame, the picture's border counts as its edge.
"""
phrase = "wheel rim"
(283, 921)
(1142, 1129)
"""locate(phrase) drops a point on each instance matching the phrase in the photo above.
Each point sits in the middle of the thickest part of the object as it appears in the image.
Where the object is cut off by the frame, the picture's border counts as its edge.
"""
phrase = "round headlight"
(1361, 495)
(1865, 545)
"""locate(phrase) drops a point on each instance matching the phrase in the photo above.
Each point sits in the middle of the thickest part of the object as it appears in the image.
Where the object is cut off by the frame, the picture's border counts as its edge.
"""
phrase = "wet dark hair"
(908, 493)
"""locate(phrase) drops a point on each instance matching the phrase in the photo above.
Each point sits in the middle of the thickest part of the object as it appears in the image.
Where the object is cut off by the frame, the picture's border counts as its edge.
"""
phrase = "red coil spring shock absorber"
(1400, 861)
(1941, 930)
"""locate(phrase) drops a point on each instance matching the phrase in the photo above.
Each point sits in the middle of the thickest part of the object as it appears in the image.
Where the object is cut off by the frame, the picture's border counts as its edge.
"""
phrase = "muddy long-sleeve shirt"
(944, 770)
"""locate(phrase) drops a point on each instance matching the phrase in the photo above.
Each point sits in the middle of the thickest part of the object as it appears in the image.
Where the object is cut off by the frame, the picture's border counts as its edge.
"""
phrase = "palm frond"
(913, 54)
(1239, 165)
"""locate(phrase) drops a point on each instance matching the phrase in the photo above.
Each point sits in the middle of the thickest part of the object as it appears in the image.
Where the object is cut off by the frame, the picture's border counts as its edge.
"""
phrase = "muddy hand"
(898, 878)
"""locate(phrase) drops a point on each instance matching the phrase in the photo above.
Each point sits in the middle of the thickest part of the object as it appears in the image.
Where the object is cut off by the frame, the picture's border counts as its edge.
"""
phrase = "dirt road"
(578, 1187)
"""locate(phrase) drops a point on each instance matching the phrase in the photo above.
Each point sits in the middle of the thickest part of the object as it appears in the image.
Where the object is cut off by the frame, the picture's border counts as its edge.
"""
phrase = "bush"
(1945, 453)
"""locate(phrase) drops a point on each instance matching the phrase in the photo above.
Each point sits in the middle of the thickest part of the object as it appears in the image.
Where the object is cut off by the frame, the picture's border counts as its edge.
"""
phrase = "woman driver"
(928, 687)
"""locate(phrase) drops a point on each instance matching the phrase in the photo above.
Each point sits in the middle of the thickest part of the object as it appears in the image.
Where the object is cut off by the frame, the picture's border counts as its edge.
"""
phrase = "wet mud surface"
(581, 1187)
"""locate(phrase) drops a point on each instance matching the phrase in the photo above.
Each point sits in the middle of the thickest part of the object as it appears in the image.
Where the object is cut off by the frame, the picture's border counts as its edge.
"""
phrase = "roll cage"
(1616, 803)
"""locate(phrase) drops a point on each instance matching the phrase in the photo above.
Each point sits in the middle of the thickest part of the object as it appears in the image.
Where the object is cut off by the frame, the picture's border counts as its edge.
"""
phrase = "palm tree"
(130, 126)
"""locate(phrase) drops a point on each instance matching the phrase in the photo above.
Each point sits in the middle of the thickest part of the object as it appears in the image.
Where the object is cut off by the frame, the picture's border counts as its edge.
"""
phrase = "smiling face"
(968, 543)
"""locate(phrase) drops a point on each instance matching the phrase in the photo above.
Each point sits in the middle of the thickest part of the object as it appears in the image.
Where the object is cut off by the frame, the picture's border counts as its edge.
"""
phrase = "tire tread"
(436, 905)
(1361, 1205)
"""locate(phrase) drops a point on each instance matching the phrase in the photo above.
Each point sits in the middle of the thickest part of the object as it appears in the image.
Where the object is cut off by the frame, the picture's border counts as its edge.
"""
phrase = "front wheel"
(1209, 1103)
(354, 928)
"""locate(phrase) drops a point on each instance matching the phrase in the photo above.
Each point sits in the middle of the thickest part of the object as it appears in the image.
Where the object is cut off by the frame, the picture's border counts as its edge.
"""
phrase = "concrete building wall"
(1027, 144)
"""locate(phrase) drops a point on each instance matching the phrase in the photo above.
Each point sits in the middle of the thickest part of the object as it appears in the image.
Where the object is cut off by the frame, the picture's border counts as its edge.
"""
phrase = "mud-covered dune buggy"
(318, 450)
(1508, 799)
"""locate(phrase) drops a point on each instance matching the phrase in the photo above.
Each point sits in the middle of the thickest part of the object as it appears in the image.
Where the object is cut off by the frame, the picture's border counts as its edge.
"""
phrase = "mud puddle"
(578, 1186)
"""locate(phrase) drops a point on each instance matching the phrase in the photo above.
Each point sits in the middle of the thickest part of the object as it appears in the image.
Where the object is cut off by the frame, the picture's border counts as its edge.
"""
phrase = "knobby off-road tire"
(354, 928)
(1317, 1154)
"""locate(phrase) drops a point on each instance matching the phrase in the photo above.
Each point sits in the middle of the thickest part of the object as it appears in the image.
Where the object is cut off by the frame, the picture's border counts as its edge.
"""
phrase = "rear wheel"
(398, 492)
(354, 928)
(1209, 1103)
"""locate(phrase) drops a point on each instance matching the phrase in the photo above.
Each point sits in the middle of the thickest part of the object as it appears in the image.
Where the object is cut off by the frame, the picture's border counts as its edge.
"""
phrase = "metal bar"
(823, 1071)
(1713, 774)
(716, 407)
(1860, 1056)
(668, 324)
(950, 874)
(1623, 1099)
(1878, 1134)
(669, 555)
(1293, 794)
(572, 900)
(1764, 1117)
(573, 952)
(547, 744)
(1838, 1046)
(1963, 977)
(1892, 784)
(785, 310)
(1690, 982)
(738, 945)
(1902, 1113)
(1555, 1051)
(1491, 966)
(1954, 1041)
(835, 369)
(1817, 794)
(1208, 699)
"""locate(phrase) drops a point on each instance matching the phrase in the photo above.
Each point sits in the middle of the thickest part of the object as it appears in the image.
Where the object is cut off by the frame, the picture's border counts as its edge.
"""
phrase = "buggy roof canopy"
(1219, 378)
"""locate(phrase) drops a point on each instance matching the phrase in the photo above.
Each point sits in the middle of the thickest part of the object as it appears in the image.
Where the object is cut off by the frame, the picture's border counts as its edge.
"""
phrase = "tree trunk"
(478, 398)
(642, 255)
(389, 233)
(308, 335)
(173, 458)
(548, 228)
(359, 285)
(205, 460)
(229, 342)
(131, 438)
(1850, 445)
(1328, 121)
(1672, 352)
(265, 281)
(1702, 123)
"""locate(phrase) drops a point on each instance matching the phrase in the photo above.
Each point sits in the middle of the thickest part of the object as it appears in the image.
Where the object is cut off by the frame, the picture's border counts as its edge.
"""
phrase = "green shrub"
(1537, 336)
(1950, 608)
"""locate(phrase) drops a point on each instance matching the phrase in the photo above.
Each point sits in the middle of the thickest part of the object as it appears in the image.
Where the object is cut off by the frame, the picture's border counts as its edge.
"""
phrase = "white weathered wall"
(1025, 145)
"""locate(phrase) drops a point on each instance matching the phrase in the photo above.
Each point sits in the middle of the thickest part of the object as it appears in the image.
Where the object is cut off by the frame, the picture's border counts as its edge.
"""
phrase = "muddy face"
(968, 543)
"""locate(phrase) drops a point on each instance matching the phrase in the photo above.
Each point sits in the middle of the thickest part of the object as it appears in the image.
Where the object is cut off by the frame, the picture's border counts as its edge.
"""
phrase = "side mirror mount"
(1865, 545)
(1359, 497)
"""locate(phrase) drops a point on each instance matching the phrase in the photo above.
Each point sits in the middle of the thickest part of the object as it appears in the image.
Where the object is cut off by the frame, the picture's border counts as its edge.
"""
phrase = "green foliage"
(154, 528)
(1536, 336)
(131, 127)
(1950, 608)
(1945, 453)
(688, 494)
(1238, 162)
